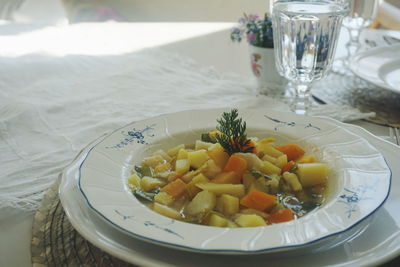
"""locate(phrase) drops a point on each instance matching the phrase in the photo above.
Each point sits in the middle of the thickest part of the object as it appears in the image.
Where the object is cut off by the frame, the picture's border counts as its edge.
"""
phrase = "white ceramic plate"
(380, 66)
(359, 182)
(380, 242)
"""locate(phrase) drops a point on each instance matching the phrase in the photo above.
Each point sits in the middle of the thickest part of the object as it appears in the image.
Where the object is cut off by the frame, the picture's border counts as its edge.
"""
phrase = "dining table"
(64, 86)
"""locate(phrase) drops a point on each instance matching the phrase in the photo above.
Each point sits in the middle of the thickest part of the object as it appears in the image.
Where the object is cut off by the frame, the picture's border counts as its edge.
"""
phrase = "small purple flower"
(253, 17)
(242, 21)
(251, 37)
(258, 31)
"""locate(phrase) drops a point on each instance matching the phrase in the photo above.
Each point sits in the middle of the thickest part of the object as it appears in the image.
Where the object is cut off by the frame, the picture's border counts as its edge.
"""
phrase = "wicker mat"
(353, 91)
(56, 243)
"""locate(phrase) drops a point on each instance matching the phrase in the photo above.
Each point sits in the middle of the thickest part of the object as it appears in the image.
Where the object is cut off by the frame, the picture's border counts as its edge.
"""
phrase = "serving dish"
(359, 185)
(378, 243)
(379, 66)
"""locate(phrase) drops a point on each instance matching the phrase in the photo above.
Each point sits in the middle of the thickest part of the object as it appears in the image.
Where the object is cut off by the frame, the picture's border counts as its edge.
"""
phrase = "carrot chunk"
(284, 215)
(175, 188)
(258, 200)
(251, 145)
(288, 166)
(226, 178)
(292, 151)
(237, 165)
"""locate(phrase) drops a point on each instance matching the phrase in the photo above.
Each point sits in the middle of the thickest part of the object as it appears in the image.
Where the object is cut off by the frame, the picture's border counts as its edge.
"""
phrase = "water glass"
(305, 38)
(361, 14)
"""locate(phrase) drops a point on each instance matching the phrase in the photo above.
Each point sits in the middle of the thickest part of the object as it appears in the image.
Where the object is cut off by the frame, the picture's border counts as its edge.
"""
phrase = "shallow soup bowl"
(358, 183)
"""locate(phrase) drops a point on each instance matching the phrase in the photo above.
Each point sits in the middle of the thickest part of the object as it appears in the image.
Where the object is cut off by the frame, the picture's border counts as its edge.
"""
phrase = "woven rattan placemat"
(56, 243)
(347, 89)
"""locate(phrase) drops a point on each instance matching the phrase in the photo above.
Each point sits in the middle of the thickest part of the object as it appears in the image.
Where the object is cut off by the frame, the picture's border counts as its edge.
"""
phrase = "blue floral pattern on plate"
(352, 197)
(137, 136)
(291, 124)
(150, 224)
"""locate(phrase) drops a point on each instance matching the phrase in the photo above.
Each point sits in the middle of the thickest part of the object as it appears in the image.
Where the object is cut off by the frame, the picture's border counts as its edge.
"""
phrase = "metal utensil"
(391, 40)
(394, 134)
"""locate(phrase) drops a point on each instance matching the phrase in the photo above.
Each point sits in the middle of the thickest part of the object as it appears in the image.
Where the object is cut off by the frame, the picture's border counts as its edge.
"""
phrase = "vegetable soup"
(226, 179)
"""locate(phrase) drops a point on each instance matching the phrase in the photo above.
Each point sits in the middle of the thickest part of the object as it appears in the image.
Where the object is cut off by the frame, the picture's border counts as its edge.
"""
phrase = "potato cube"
(197, 158)
(191, 174)
(220, 157)
(307, 159)
(163, 198)
(269, 168)
(292, 180)
(134, 182)
(227, 204)
(219, 189)
(182, 166)
(312, 173)
(202, 202)
(248, 179)
(268, 149)
(191, 188)
(218, 221)
(153, 161)
(149, 183)
(216, 147)
(250, 220)
(182, 154)
(226, 178)
(174, 151)
(281, 161)
(164, 167)
(274, 184)
(269, 158)
(166, 211)
(253, 162)
(212, 169)
(202, 145)
(163, 154)
(231, 224)
(260, 213)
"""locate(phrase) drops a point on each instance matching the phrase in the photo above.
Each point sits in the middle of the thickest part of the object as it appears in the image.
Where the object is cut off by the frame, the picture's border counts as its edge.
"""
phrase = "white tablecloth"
(63, 87)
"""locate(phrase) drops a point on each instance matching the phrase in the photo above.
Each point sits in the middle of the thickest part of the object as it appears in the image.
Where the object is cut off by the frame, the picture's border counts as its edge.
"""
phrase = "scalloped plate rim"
(221, 251)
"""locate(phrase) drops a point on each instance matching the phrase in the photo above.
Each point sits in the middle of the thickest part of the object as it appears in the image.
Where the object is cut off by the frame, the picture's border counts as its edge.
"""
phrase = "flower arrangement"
(258, 31)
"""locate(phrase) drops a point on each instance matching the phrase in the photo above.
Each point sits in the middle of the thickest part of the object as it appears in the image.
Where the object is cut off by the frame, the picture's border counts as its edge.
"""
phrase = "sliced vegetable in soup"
(226, 179)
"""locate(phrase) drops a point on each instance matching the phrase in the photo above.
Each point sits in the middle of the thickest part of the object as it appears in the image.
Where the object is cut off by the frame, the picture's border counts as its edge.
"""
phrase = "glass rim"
(344, 9)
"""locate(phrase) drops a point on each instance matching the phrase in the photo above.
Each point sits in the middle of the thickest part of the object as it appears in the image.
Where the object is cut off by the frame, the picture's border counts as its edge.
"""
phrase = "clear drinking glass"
(361, 14)
(305, 38)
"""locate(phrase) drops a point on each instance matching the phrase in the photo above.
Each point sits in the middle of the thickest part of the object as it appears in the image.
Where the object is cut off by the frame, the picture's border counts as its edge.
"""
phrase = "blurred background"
(75, 11)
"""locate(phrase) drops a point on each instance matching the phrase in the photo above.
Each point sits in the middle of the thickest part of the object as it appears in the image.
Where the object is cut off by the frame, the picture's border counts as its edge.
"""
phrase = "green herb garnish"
(258, 174)
(143, 195)
(233, 136)
(148, 196)
(144, 171)
(294, 168)
(205, 137)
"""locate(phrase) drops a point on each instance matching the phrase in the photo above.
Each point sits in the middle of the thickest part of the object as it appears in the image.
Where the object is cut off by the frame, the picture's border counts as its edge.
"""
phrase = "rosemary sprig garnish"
(233, 136)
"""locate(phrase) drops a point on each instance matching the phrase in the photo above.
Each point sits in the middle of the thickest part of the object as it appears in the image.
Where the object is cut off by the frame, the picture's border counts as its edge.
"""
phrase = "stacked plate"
(355, 225)
(379, 66)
